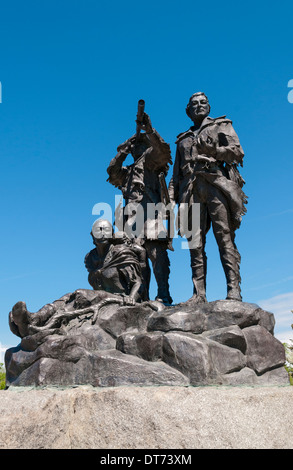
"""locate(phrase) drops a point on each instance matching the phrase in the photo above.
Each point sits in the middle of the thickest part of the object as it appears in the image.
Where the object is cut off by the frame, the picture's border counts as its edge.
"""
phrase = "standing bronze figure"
(140, 185)
(205, 172)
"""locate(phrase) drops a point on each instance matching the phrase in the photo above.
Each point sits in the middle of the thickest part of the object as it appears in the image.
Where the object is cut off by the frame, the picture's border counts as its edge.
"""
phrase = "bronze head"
(198, 107)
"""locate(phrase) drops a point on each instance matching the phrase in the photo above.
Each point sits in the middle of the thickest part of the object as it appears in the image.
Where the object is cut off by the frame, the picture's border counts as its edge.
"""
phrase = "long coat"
(223, 174)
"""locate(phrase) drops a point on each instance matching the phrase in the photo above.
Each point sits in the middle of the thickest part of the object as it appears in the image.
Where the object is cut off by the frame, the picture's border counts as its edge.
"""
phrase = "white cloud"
(281, 306)
(272, 284)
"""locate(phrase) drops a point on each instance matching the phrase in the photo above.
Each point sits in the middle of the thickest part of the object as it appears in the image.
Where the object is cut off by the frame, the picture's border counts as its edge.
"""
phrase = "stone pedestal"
(222, 342)
(213, 417)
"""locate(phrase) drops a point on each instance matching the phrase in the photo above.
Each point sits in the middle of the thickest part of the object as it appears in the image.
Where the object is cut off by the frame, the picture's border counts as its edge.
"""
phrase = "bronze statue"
(116, 264)
(140, 185)
(113, 335)
(205, 171)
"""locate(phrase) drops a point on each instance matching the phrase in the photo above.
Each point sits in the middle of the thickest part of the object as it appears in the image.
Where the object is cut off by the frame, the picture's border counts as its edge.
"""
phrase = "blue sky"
(72, 73)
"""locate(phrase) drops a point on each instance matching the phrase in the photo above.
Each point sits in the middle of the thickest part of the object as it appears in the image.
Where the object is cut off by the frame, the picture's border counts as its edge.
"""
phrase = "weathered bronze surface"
(206, 172)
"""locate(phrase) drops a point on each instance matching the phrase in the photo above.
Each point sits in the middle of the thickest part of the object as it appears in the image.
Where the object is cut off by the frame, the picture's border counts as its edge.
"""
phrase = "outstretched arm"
(133, 295)
(159, 157)
(115, 170)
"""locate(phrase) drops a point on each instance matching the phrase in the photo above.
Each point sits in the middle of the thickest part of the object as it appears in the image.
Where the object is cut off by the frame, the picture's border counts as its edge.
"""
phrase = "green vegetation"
(2, 377)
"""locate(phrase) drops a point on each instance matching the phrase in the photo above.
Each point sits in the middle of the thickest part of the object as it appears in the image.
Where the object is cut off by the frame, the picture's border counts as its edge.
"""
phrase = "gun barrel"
(164, 189)
(139, 116)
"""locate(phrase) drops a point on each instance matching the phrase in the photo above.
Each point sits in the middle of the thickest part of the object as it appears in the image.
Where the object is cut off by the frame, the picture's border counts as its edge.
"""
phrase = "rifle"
(166, 200)
(139, 117)
(164, 190)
